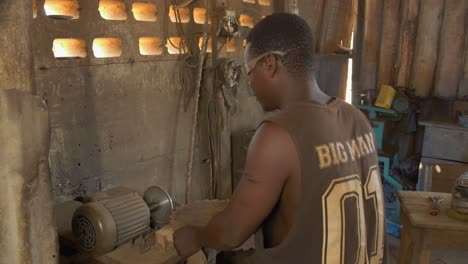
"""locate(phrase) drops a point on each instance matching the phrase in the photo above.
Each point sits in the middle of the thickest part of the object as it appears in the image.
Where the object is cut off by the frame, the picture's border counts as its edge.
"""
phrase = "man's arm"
(270, 160)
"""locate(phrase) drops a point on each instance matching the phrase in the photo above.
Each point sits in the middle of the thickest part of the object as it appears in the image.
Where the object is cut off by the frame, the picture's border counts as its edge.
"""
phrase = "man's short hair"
(289, 33)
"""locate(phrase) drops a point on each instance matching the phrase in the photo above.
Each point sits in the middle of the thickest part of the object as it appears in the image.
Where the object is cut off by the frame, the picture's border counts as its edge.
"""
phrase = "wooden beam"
(222, 170)
(389, 42)
(16, 61)
(358, 46)
(451, 53)
(463, 88)
(409, 16)
(371, 40)
(427, 42)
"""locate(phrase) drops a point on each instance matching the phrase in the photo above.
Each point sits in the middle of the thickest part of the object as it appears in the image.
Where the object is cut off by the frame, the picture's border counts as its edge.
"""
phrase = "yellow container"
(386, 96)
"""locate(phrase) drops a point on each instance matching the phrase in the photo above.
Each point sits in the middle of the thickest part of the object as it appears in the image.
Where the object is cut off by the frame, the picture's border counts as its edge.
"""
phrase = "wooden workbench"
(126, 254)
(422, 232)
(197, 213)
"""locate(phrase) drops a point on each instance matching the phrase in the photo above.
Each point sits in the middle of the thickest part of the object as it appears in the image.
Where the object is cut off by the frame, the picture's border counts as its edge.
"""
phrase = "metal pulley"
(160, 205)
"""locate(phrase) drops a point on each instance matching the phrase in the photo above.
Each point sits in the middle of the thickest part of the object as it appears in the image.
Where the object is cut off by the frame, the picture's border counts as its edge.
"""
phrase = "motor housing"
(109, 219)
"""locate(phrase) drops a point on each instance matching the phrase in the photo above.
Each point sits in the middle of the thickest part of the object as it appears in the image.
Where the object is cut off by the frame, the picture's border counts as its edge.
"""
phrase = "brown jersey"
(340, 215)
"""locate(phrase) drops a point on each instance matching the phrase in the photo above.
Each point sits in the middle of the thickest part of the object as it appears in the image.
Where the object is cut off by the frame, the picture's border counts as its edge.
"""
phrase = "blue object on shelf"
(373, 110)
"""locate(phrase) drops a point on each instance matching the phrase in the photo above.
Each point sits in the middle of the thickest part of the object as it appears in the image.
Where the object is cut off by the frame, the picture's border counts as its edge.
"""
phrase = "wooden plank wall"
(408, 29)
(451, 49)
(421, 45)
(389, 42)
(332, 23)
(336, 25)
(371, 39)
(427, 39)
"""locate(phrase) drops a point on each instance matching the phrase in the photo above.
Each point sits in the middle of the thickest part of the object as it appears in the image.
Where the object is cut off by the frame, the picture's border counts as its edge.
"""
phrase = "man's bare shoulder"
(272, 147)
(271, 136)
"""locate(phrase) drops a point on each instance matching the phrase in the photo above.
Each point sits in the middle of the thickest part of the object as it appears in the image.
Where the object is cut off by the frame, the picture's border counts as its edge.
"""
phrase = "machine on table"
(197, 213)
(114, 217)
(118, 226)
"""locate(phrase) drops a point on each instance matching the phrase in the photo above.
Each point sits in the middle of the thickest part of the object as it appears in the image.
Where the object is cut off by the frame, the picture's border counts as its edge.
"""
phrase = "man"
(311, 179)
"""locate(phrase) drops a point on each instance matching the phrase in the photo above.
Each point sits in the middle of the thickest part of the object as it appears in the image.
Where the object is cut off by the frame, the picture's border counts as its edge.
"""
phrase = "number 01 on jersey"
(335, 222)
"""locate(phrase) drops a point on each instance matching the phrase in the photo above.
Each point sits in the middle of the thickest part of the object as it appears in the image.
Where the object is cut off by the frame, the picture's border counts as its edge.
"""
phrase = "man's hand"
(186, 242)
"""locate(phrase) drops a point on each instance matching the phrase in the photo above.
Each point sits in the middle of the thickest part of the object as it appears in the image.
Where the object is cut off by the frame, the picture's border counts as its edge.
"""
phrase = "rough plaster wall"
(114, 121)
(15, 45)
(119, 124)
(27, 233)
(120, 121)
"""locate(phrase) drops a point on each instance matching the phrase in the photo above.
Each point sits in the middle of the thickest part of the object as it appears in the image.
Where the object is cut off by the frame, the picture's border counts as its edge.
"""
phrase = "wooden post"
(427, 42)
(451, 54)
(27, 232)
(409, 16)
(463, 88)
(193, 131)
(371, 40)
(358, 46)
(16, 60)
(222, 150)
(389, 42)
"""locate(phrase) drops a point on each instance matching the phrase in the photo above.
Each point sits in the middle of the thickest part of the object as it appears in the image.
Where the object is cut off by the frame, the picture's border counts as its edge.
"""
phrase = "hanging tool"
(201, 61)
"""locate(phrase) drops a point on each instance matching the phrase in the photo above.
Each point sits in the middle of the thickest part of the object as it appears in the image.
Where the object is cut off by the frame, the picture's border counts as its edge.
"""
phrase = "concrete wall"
(120, 121)
(27, 233)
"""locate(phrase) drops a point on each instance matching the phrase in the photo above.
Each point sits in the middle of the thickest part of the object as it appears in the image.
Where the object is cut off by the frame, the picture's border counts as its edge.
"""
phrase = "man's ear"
(272, 65)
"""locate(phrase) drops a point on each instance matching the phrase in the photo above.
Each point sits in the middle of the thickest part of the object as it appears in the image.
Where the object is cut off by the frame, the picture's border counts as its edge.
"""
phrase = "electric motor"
(110, 219)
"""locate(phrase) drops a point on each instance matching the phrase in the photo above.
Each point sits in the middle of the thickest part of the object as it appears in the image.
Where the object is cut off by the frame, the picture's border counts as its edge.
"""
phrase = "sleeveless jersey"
(340, 218)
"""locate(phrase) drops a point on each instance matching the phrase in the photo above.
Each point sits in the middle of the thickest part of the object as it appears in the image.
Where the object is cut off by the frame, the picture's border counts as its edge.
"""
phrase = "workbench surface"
(416, 205)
